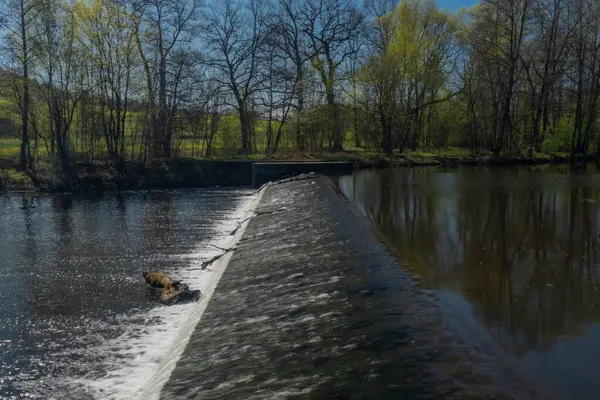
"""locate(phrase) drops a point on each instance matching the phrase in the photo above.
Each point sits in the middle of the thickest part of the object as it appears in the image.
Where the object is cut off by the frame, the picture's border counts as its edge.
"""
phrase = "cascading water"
(80, 325)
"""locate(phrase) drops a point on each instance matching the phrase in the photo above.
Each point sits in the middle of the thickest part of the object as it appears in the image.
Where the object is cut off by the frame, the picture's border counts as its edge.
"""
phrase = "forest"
(124, 81)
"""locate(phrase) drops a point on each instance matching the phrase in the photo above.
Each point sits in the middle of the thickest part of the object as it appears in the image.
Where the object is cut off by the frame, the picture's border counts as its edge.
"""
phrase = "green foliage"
(229, 128)
(435, 80)
(11, 179)
(9, 148)
(560, 139)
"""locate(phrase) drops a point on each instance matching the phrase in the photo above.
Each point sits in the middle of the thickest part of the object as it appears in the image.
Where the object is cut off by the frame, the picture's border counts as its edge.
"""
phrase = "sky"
(454, 5)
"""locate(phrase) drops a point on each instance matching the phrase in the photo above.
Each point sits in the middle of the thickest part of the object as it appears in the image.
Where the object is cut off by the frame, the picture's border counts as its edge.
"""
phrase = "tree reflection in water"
(519, 244)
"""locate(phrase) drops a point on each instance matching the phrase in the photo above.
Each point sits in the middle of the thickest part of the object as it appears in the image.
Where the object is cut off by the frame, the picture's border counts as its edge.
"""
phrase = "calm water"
(73, 308)
(511, 254)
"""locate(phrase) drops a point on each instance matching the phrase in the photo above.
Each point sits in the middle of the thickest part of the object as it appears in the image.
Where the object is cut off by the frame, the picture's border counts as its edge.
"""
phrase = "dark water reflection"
(512, 255)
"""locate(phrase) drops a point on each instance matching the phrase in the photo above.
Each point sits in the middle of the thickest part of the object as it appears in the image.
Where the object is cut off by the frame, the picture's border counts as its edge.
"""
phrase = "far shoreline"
(185, 172)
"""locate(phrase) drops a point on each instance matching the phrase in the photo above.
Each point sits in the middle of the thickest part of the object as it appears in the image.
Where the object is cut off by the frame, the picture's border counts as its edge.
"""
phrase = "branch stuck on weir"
(265, 212)
(233, 232)
(294, 178)
(256, 213)
(215, 258)
(217, 247)
(286, 179)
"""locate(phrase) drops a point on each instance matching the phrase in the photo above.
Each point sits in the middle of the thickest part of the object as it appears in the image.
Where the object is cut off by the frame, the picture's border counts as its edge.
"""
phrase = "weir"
(312, 304)
(157, 380)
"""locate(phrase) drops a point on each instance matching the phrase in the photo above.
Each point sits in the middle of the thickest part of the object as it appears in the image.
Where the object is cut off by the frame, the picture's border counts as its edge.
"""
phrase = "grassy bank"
(443, 157)
(198, 172)
(13, 180)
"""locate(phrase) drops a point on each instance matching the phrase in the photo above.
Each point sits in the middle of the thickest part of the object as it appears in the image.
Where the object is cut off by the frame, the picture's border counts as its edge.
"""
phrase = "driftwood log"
(172, 291)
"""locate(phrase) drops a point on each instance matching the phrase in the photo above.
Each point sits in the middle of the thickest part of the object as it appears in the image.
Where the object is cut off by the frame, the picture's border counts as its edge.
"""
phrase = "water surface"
(73, 309)
(511, 254)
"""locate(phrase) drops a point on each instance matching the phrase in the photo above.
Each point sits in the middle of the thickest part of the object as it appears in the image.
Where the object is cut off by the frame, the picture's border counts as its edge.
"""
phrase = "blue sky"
(455, 4)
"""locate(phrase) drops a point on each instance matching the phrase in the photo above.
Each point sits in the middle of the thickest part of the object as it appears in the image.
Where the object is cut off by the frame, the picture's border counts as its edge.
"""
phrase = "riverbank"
(100, 177)
(191, 172)
(453, 157)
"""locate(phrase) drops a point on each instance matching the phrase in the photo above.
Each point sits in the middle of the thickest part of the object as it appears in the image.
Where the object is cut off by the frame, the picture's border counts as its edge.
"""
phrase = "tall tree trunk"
(151, 112)
(300, 142)
(25, 157)
(576, 143)
(162, 144)
(245, 130)
(333, 111)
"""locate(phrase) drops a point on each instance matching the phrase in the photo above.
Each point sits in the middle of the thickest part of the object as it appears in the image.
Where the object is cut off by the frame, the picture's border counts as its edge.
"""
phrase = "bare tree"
(585, 73)
(330, 26)
(60, 74)
(277, 98)
(544, 62)
(287, 36)
(108, 40)
(19, 17)
(234, 34)
(168, 28)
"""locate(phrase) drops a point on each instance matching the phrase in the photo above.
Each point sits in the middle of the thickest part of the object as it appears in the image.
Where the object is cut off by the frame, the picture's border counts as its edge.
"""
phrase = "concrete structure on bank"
(312, 305)
(263, 172)
(201, 173)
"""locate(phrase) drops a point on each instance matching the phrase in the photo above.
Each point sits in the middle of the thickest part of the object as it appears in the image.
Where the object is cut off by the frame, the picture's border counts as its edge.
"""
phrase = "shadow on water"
(512, 254)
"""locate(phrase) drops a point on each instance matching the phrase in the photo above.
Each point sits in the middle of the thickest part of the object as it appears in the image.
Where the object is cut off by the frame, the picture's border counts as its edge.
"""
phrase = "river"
(75, 321)
(508, 256)
(511, 255)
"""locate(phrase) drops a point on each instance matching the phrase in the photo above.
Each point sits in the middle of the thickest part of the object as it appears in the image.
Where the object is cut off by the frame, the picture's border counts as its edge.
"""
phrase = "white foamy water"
(141, 360)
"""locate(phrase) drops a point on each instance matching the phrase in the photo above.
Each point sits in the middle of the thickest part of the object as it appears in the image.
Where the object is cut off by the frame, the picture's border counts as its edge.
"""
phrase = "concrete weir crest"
(161, 375)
